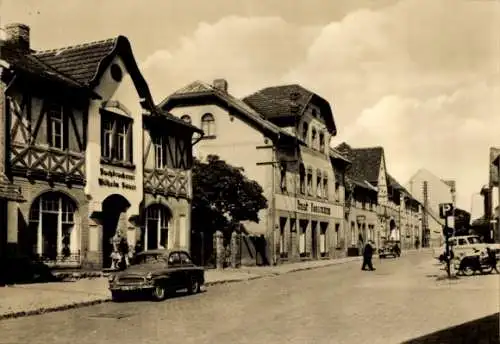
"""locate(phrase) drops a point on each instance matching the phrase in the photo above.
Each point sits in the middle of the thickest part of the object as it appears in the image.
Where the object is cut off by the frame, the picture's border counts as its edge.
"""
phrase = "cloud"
(419, 77)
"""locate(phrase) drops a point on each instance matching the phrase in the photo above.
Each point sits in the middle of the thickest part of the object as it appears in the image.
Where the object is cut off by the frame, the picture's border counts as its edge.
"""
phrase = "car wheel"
(194, 285)
(487, 270)
(117, 296)
(159, 293)
(468, 270)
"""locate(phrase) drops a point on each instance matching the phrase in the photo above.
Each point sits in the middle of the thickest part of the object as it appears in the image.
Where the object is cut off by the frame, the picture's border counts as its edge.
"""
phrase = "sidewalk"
(31, 299)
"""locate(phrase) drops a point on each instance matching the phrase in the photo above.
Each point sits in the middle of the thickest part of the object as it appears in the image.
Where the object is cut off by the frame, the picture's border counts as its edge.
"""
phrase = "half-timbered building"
(81, 122)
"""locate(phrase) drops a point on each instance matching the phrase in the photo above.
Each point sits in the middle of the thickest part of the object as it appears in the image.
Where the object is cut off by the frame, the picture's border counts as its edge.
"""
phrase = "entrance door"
(113, 208)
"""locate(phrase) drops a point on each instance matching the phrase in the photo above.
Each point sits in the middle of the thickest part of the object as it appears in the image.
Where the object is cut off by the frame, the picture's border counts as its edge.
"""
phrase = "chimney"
(18, 35)
(220, 84)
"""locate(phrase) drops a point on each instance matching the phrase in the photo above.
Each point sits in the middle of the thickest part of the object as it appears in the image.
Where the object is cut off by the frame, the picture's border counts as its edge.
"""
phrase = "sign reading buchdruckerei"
(116, 179)
(312, 207)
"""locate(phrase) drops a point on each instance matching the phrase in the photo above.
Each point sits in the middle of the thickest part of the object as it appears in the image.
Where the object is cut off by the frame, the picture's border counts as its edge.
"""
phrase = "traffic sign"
(445, 210)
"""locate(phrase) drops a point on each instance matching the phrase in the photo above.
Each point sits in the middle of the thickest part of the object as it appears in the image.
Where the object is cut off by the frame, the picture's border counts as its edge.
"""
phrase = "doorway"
(114, 210)
(314, 239)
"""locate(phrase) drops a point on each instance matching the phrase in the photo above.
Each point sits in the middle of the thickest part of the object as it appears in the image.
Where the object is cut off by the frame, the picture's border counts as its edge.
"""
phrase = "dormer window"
(208, 125)
(186, 118)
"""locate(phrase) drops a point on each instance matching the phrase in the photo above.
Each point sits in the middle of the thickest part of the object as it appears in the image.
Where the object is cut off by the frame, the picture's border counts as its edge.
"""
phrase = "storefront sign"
(116, 179)
(313, 208)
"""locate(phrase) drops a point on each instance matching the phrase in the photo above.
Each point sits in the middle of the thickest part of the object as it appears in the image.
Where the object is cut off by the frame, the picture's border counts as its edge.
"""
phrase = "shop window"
(323, 246)
(302, 237)
(283, 248)
(116, 137)
(337, 235)
(319, 182)
(302, 176)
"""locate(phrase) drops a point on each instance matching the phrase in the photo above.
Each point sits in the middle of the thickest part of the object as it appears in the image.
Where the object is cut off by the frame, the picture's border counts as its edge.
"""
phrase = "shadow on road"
(482, 330)
(142, 296)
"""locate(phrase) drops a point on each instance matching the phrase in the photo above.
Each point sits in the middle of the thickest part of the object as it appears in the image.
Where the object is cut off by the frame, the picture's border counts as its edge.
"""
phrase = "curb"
(44, 310)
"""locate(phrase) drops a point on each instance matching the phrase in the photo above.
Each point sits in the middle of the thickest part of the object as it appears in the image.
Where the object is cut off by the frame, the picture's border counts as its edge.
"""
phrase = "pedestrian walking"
(367, 256)
(492, 259)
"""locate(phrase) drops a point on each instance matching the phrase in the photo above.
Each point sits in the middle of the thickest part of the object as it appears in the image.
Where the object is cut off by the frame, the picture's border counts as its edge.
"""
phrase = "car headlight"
(149, 276)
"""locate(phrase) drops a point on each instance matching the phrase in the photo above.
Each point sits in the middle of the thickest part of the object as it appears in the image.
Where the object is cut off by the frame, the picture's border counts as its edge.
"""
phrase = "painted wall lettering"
(315, 208)
(110, 182)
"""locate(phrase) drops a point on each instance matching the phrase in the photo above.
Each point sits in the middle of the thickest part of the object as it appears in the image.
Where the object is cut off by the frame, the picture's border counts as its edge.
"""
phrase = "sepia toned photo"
(250, 171)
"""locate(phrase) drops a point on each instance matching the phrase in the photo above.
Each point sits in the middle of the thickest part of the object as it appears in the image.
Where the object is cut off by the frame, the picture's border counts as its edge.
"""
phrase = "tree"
(223, 197)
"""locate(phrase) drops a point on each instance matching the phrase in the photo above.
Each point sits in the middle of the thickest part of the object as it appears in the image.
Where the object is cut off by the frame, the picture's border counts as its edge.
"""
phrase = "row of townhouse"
(323, 202)
(86, 155)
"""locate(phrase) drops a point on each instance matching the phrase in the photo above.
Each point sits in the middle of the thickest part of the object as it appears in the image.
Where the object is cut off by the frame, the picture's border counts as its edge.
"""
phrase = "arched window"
(309, 181)
(52, 218)
(313, 138)
(302, 176)
(208, 124)
(319, 184)
(156, 227)
(186, 118)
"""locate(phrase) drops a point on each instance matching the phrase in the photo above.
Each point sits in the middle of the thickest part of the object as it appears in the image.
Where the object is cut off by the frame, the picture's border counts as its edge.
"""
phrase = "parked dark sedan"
(390, 248)
(158, 272)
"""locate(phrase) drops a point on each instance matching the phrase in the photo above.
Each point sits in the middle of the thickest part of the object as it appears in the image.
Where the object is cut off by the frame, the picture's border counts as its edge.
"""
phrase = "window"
(283, 176)
(462, 241)
(322, 142)
(319, 192)
(337, 235)
(325, 185)
(283, 250)
(353, 234)
(208, 124)
(309, 182)
(337, 191)
(156, 227)
(305, 129)
(116, 137)
(56, 126)
(174, 259)
(160, 151)
(323, 249)
(302, 176)
(186, 118)
(313, 138)
(302, 238)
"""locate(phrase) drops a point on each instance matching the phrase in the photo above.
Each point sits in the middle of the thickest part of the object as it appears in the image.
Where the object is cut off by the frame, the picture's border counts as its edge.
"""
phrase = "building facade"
(80, 145)
(430, 191)
(280, 136)
(376, 193)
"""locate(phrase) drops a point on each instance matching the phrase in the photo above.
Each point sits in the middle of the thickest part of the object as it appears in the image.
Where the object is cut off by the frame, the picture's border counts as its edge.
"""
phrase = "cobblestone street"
(402, 300)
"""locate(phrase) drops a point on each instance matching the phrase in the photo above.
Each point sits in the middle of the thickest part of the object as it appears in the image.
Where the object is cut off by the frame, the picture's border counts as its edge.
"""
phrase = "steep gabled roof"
(82, 61)
(198, 89)
(365, 162)
(289, 101)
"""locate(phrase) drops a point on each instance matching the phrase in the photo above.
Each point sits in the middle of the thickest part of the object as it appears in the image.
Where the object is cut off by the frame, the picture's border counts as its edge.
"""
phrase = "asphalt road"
(402, 300)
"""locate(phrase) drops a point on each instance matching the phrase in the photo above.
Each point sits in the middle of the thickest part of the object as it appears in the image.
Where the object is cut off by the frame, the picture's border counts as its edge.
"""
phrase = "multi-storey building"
(280, 136)
(92, 155)
(388, 208)
(430, 191)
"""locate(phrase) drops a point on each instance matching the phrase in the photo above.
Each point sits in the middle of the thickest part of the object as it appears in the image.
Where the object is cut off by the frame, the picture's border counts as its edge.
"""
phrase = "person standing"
(367, 257)
(492, 259)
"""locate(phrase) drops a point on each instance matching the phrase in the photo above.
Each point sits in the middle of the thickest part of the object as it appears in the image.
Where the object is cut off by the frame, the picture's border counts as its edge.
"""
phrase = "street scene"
(241, 172)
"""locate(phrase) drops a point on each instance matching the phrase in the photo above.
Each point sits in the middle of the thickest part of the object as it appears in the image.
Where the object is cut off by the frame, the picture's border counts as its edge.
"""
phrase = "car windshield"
(474, 240)
(150, 259)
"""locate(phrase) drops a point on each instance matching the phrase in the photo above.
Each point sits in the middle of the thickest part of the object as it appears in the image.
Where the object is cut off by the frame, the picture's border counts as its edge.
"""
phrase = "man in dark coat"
(492, 259)
(367, 256)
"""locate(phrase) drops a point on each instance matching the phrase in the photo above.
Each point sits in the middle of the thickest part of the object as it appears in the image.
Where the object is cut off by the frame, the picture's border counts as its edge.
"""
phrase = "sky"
(419, 77)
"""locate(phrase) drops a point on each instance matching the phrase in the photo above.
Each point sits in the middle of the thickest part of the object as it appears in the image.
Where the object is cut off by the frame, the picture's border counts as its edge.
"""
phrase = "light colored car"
(463, 245)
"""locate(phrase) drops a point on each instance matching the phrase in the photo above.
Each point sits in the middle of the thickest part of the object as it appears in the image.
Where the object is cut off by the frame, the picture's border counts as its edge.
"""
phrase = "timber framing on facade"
(92, 156)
